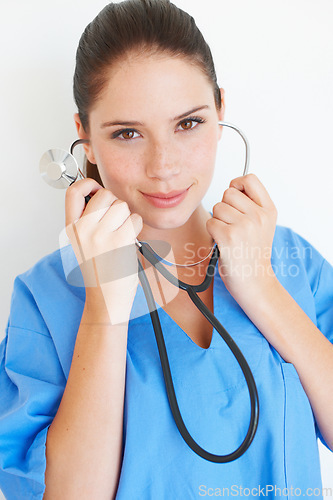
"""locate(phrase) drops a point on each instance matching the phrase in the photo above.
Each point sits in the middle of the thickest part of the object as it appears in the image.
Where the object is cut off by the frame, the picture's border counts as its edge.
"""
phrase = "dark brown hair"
(137, 26)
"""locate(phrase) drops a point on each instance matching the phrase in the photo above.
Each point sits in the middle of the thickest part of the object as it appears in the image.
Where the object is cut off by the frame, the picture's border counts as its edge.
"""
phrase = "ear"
(221, 111)
(83, 135)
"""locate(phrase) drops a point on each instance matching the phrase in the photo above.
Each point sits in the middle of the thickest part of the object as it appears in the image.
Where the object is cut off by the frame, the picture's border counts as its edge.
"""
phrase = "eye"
(190, 123)
(187, 124)
(125, 134)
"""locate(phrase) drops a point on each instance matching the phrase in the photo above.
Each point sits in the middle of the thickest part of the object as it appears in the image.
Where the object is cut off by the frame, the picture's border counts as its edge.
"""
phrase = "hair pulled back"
(138, 26)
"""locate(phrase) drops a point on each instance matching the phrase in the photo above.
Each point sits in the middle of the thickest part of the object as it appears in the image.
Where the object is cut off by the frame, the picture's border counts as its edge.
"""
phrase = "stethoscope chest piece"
(58, 168)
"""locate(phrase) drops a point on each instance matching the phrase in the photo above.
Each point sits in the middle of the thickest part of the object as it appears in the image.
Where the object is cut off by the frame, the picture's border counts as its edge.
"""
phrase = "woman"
(91, 419)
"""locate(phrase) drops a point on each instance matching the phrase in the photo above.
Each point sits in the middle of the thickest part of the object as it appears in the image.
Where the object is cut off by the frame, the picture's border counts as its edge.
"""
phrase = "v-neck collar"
(167, 320)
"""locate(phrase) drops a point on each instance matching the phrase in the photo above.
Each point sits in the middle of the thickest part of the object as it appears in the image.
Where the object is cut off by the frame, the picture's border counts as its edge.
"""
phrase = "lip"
(166, 200)
(172, 194)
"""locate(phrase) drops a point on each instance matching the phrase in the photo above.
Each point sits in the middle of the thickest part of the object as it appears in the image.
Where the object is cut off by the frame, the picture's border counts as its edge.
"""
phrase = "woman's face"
(155, 129)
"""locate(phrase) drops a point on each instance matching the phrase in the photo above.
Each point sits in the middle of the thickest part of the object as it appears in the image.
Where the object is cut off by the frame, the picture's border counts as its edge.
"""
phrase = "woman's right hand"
(102, 234)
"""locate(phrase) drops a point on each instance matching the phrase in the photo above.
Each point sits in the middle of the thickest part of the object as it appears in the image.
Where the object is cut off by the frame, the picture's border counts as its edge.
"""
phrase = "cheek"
(116, 169)
(203, 154)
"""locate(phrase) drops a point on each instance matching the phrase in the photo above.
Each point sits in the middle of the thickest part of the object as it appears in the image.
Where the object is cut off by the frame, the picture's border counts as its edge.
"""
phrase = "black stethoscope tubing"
(50, 158)
(191, 290)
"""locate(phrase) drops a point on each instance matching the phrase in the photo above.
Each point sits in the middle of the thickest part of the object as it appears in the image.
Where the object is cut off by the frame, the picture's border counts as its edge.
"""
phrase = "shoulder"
(302, 270)
(291, 248)
(56, 264)
(45, 290)
(287, 237)
(46, 309)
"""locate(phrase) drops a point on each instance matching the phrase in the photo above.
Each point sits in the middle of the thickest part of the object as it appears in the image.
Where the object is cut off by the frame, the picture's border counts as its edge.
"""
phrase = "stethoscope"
(59, 169)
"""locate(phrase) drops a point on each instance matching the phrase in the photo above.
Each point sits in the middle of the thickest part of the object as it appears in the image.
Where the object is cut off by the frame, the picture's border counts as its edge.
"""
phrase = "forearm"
(84, 442)
(291, 332)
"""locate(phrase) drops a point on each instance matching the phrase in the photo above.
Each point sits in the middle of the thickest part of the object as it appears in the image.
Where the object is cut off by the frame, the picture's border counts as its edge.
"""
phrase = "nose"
(161, 161)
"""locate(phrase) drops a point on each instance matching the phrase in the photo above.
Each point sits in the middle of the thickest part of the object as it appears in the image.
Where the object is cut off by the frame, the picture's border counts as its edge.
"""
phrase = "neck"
(189, 243)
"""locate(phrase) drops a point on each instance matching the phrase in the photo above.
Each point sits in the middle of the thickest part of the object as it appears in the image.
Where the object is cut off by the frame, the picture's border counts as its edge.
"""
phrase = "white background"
(275, 62)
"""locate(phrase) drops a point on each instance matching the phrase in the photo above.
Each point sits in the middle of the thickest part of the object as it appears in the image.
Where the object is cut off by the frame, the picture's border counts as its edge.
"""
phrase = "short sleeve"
(308, 277)
(319, 274)
(324, 309)
(320, 277)
(32, 383)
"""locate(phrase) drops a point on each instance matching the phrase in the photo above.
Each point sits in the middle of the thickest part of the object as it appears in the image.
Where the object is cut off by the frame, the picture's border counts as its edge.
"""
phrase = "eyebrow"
(130, 123)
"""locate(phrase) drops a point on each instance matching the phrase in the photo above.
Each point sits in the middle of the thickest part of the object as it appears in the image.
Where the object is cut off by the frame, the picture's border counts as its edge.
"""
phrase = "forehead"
(155, 83)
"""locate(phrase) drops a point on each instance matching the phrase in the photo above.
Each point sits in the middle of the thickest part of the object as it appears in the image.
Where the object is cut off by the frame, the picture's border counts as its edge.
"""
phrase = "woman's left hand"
(243, 226)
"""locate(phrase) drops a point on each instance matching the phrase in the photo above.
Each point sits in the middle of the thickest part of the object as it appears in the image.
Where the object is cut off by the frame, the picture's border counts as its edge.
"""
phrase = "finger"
(114, 217)
(226, 213)
(128, 232)
(253, 188)
(238, 200)
(99, 204)
(216, 229)
(75, 194)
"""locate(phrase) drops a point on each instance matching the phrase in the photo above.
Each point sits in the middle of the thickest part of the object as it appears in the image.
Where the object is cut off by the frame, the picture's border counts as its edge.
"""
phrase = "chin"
(164, 219)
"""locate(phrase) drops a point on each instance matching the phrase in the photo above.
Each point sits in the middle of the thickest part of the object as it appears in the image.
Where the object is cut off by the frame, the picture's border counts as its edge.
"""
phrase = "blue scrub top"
(283, 459)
